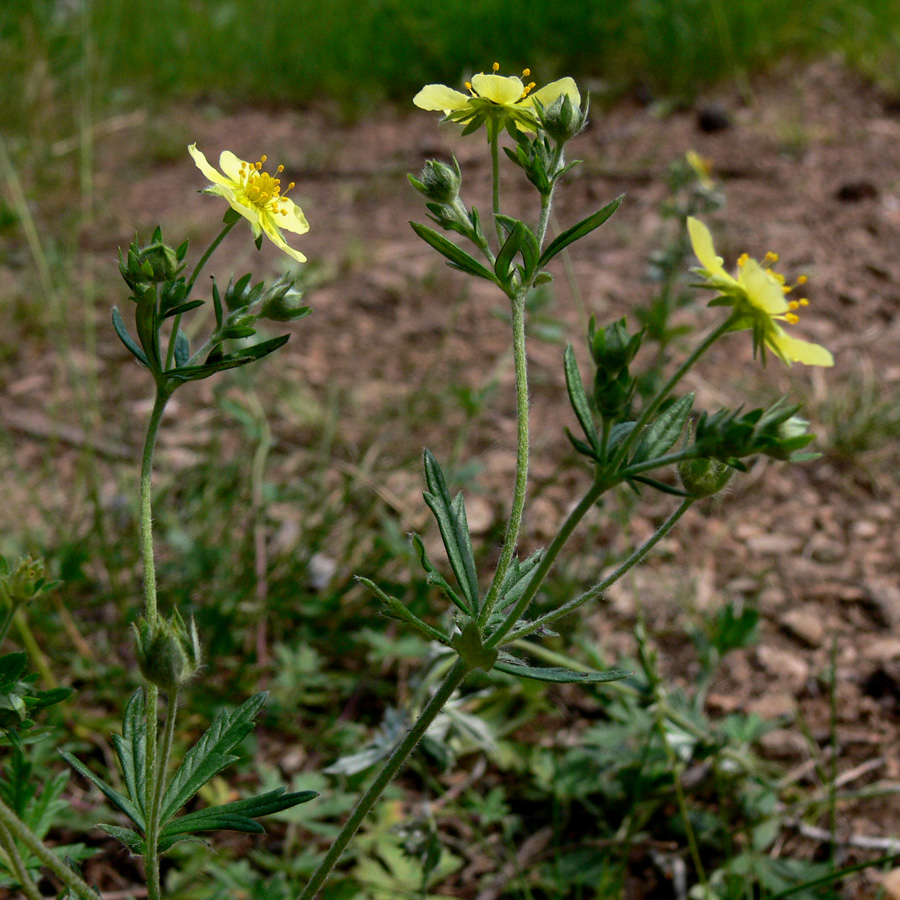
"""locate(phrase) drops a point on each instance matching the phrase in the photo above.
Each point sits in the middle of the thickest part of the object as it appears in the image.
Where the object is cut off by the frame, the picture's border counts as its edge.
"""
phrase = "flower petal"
(763, 291)
(274, 235)
(549, 92)
(702, 242)
(440, 98)
(500, 89)
(796, 350)
(203, 165)
(293, 218)
(231, 165)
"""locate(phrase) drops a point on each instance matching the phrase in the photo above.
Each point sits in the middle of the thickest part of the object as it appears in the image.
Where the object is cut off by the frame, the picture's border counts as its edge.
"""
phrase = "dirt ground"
(809, 167)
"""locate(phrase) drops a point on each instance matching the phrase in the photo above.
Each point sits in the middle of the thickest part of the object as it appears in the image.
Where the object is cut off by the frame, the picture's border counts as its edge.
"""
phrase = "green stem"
(547, 199)
(155, 795)
(494, 138)
(547, 560)
(170, 353)
(151, 775)
(392, 765)
(21, 832)
(656, 402)
(520, 359)
(595, 591)
(159, 405)
(7, 621)
(17, 865)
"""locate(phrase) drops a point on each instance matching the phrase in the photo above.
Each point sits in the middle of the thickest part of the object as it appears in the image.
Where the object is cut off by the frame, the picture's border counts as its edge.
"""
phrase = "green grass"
(300, 51)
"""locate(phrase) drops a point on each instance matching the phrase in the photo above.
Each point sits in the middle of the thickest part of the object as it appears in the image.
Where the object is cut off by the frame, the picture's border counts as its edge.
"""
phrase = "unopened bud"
(283, 303)
(704, 477)
(439, 182)
(23, 581)
(562, 119)
(168, 651)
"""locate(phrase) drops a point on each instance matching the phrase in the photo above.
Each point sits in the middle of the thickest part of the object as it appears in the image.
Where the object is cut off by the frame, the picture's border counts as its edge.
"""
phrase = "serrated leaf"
(659, 437)
(131, 748)
(238, 815)
(559, 674)
(118, 800)
(131, 839)
(578, 399)
(454, 530)
(129, 342)
(585, 226)
(455, 255)
(210, 754)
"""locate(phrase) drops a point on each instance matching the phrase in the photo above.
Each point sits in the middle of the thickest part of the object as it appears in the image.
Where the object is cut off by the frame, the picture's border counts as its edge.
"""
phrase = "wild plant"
(628, 438)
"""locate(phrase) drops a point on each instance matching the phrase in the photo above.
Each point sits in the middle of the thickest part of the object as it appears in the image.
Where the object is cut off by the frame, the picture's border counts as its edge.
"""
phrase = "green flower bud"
(20, 584)
(158, 262)
(613, 348)
(438, 181)
(704, 477)
(168, 651)
(612, 394)
(283, 303)
(562, 120)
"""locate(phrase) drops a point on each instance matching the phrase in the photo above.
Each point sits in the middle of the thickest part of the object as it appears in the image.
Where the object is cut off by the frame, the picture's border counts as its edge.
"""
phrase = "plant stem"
(17, 865)
(151, 779)
(593, 592)
(159, 405)
(161, 765)
(494, 138)
(69, 877)
(8, 618)
(666, 389)
(520, 359)
(392, 765)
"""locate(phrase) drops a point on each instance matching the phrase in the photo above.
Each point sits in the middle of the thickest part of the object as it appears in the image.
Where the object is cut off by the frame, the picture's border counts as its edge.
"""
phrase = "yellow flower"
(492, 95)
(758, 297)
(256, 195)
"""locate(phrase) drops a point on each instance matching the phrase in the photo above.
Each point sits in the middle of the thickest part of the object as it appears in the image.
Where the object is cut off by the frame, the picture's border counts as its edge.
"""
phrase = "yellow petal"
(501, 89)
(204, 166)
(231, 165)
(439, 97)
(796, 350)
(274, 235)
(702, 242)
(763, 291)
(549, 92)
(293, 220)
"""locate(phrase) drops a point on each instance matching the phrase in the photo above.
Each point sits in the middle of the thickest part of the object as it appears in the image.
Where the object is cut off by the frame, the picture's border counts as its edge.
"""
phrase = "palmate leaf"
(454, 528)
(210, 754)
(236, 816)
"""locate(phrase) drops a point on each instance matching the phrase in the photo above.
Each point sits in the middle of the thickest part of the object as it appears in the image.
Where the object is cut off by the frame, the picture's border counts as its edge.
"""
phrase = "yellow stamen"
(802, 279)
(803, 301)
(496, 67)
(280, 169)
(771, 257)
(742, 259)
(469, 86)
(794, 304)
(792, 318)
(526, 73)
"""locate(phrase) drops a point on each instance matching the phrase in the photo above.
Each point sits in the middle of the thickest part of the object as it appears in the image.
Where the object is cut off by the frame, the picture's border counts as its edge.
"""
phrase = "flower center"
(262, 189)
(495, 68)
(769, 260)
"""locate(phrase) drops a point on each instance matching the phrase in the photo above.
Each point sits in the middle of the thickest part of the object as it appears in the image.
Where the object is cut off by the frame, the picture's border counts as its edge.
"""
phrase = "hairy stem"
(17, 865)
(21, 832)
(494, 138)
(392, 765)
(161, 765)
(520, 359)
(602, 585)
(159, 405)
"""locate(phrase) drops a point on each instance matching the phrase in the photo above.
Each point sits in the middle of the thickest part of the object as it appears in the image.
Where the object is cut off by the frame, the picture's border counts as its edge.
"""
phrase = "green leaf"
(182, 349)
(469, 645)
(517, 577)
(210, 754)
(147, 326)
(232, 361)
(528, 245)
(131, 839)
(456, 256)
(559, 674)
(183, 308)
(131, 748)
(236, 816)
(659, 437)
(434, 577)
(454, 528)
(127, 339)
(578, 399)
(585, 226)
(398, 611)
(118, 800)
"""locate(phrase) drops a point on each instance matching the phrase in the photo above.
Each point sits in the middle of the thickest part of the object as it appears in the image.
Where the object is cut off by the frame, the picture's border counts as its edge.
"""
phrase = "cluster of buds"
(168, 651)
(21, 583)
(153, 263)
(613, 350)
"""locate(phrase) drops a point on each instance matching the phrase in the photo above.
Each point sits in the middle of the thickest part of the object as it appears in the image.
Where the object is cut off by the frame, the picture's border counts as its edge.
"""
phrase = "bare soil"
(810, 167)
